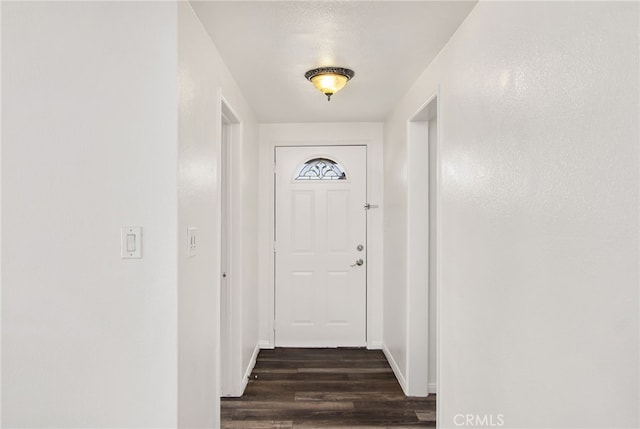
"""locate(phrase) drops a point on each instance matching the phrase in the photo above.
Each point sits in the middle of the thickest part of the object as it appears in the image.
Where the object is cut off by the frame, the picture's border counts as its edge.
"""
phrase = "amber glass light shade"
(329, 80)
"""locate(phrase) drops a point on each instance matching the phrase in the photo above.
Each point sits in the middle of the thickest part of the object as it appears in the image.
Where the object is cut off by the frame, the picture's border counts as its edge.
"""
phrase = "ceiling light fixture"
(329, 80)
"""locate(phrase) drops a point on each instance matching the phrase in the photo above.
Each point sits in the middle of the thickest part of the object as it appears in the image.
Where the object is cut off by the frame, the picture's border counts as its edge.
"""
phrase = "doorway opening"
(369, 135)
(423, 249)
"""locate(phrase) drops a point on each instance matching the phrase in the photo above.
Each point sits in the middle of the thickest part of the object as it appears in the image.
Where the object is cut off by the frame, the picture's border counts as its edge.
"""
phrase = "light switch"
(192, 241)
(131, 245)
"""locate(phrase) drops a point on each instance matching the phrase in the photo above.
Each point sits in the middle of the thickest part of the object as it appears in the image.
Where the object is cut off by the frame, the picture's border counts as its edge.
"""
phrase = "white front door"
(320, 285)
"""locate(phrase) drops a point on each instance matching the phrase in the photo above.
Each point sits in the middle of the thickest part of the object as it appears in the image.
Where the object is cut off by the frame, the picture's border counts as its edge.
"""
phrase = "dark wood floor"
(325, 388)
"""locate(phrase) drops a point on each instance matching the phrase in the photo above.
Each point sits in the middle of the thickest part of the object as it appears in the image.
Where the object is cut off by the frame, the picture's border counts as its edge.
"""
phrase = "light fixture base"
(348, 73)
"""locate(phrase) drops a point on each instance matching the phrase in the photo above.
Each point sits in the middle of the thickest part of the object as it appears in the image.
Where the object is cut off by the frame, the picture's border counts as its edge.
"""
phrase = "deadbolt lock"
(360, 247)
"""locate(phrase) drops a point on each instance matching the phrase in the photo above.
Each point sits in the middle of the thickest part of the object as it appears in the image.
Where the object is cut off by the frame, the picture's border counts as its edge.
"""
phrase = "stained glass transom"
(321, 169)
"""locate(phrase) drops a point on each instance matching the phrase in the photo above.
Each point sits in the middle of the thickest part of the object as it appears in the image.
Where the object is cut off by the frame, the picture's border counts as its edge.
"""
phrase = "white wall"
(203, 79)
(88, 145)
(394, 333)
(247, 268)
(414, 379)
(539, 193)
(318, 134)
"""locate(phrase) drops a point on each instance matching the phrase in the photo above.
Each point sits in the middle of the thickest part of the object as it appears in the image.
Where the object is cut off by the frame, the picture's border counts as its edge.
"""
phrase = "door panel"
(320, 291)
(337, 228)
(303, 221)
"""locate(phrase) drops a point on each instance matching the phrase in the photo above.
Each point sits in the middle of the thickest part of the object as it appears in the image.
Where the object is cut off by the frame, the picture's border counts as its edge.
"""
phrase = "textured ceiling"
(269, 45)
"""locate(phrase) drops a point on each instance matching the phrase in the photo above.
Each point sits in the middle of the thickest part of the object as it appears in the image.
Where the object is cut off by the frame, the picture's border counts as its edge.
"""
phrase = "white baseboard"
(265, 344)
(432, 388)
(252, 364)
(395, 368)
(374, 345)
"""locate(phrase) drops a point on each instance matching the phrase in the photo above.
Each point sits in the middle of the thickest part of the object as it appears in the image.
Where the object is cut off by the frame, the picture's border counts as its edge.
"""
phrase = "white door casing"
(226, 351)
(320, 234)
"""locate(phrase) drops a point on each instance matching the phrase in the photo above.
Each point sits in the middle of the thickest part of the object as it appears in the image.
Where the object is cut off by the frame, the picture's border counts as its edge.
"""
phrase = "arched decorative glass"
(321, 169)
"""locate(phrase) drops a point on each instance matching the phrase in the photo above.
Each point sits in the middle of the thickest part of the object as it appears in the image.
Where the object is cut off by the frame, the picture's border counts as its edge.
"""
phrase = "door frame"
(421, 283)
(322, 134)
(230, 381)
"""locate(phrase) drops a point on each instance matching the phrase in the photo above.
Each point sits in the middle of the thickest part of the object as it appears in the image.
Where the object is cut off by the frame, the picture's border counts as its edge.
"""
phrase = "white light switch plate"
(131, 242)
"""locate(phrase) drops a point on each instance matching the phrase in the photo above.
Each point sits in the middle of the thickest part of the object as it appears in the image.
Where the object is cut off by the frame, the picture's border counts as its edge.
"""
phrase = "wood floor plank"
(270, 405)
(347, 370)
(361, 426)
(325, 388)
(331, 385)
(366, 396)
(426, 416)
(404, 403)
(257, 424)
